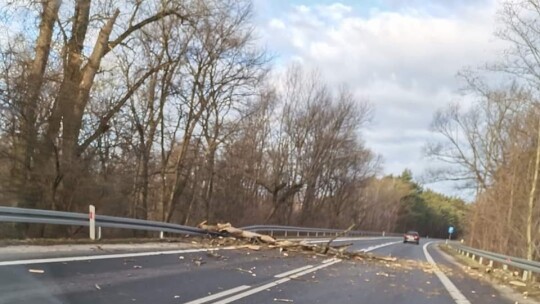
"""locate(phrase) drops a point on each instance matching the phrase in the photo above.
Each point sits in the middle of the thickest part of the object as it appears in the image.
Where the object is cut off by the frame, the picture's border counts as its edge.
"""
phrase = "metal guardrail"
(23, 215)
(527, 266)
(288, 231)
(91, 220)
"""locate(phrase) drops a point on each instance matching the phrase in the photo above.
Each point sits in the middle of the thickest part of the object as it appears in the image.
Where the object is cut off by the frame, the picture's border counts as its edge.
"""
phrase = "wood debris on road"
(283, 300)
(517, 283)
(251, 247)
(198, 261)
(247, 271)
(256, 241)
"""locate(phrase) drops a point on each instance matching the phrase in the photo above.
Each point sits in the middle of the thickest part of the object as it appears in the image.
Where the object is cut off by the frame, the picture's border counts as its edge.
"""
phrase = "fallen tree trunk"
(301, 246)
(229, 230)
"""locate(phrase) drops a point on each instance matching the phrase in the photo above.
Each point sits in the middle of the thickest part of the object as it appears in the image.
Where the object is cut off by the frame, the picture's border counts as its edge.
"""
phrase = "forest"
(173, 111)
(491, 146)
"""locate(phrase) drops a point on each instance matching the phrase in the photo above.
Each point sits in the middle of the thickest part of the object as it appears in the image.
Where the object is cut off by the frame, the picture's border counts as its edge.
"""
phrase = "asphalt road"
(243, 276)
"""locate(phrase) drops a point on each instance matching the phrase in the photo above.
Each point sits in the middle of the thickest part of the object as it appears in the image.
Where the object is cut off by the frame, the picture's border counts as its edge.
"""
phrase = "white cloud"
(276, 24)
(303, 9)
(334, 11)
(404, 61)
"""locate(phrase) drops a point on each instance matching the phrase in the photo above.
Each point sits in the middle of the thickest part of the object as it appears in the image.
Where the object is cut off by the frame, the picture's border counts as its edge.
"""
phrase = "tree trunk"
(142, 209)
(31, 181)
(49, 17)
(532, 197)
(275, 202)
(308, 200)
(510, 210)
(210, 186)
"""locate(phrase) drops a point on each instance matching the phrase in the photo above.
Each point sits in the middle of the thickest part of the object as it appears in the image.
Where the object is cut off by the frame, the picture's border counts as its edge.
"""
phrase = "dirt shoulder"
(507, 282)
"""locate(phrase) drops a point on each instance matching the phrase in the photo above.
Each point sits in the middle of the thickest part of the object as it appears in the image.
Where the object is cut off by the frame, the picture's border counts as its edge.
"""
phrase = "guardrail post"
(285, 233)
(308, 233)
(272, 233)
(383, 233)
(480, 260)
(467, 254)
(99, 232)
(525, 275)
(491, 263)
(92, 219)
(298, 233)
(474, 257)
(317, 234)
(161, 234)
(324, 234)
(505, 267)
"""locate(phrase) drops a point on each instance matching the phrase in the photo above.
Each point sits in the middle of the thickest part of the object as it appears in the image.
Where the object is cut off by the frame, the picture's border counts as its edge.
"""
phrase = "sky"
(403, 56)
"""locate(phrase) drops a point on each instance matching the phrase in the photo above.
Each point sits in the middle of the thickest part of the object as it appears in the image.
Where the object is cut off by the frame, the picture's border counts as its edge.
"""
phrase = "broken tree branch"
(327, 247)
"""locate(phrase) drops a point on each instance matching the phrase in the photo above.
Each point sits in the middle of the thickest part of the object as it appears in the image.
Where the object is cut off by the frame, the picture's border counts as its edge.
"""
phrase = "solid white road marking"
(219, 295)
(328, 260)
(282, 275)
(458, 297)
(371, 248)
(297, 275)
(253, 291)
(274, 283)
(109, 256)
(344, 239)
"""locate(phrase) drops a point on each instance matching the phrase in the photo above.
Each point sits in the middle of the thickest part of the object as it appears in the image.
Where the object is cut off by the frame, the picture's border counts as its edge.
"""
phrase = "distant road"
(239, 276)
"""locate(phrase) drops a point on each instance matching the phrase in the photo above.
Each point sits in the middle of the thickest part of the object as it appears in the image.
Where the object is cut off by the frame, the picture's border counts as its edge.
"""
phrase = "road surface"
(240, 276)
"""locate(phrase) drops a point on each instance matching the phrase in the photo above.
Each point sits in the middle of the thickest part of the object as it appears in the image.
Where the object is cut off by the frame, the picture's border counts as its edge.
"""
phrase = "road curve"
(240, 276)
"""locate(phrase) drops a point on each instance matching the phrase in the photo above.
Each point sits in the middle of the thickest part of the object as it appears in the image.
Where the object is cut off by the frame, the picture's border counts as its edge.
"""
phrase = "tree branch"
(103, 124)
(133, 28)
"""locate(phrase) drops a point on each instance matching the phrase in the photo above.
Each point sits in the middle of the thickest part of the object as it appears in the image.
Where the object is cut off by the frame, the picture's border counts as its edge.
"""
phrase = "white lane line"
(329, 260)
(297, 275)
(252, 291)
(219, 295)
(273, 284)
(346, 239)
(109, 256)
(371, 248)
(282, 275)
(458, 297)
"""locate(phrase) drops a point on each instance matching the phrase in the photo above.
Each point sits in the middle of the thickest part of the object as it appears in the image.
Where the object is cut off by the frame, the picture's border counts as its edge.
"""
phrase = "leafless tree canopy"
(166, 110)
(494, 144)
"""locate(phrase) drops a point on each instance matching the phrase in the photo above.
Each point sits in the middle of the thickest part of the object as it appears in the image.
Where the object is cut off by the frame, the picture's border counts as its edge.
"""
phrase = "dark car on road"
(411, 237)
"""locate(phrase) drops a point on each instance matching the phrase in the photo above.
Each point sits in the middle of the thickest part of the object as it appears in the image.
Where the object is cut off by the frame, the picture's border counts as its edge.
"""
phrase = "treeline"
(494, 143)
(411, 207)
(165, 110)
